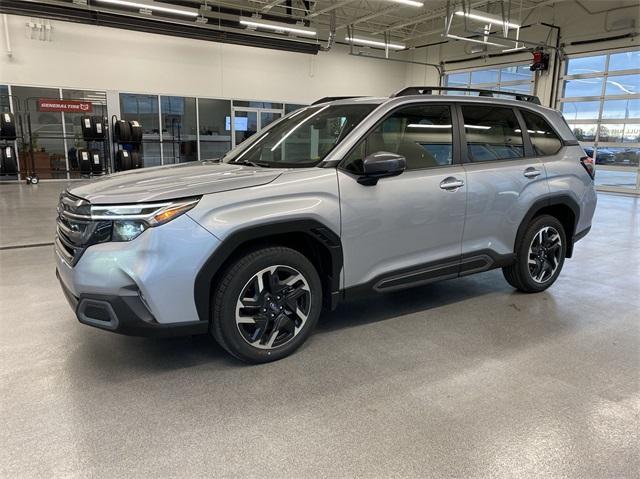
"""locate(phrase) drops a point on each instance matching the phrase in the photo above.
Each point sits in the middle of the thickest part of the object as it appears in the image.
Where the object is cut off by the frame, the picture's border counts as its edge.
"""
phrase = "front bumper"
(142, 287)
(125, 315)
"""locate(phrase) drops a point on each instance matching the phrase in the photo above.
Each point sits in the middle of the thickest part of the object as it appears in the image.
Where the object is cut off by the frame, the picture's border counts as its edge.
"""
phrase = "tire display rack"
(12, 135)
(89, 161)
(127, 144)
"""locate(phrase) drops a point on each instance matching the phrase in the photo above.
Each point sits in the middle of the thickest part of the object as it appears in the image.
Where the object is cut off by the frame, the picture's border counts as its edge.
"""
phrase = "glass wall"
(289, 107)
(515, 78)
(5, 104)
(215, 127)
(145, 110)
(600, 99)
(46, 136)
(179, 129)
(176, 129)
(73, 128)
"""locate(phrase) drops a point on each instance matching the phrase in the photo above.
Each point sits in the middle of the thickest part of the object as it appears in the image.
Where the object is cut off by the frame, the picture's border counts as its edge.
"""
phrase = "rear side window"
(544, 140)
(492, 133)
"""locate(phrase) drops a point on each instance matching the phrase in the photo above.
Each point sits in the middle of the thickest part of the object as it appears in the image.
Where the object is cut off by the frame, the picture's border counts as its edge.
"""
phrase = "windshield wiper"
(251, 163)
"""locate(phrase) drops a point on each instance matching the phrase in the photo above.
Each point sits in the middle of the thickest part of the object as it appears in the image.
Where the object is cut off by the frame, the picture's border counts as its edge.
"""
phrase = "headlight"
(129, 221)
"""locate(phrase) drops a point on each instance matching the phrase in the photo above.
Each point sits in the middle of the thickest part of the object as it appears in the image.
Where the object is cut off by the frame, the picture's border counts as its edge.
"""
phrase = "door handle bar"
(451, 184)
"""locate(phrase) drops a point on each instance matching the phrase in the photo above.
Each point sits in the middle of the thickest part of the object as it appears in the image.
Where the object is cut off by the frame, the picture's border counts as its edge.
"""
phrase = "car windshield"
(302, 139)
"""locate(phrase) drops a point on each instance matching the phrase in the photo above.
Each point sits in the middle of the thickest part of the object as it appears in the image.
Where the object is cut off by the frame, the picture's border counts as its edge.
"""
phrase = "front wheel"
(266, 304)
(539, 256)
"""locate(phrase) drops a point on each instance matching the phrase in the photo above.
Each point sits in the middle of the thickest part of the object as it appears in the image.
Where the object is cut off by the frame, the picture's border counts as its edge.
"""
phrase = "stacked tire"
(7, 126)
(128, 160)
(84, 159)
(128, 133)
(8, 163)
(97, 163)
(91, 162)
(93, 128)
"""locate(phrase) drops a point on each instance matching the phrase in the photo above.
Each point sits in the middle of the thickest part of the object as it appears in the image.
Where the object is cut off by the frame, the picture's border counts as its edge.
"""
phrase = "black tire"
(7, 126)
(97, 129)
(86, 123)
(136, 132)
(97, 163)
(539, 275)
(136, 160)
(235, 281)
(8, 163)
(122, 131)
(84, 158)
(123, 160)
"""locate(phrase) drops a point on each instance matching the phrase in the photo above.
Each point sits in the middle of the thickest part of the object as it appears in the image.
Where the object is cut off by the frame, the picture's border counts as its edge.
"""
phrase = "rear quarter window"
(544, 140)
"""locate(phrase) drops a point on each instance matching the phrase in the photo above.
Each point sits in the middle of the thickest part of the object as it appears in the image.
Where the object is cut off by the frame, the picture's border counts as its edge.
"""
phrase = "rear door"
(504, 178)
(405, 230)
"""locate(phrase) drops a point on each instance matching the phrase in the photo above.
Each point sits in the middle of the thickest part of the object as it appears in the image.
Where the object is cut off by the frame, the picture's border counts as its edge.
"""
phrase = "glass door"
(244, 122)
(267, 117)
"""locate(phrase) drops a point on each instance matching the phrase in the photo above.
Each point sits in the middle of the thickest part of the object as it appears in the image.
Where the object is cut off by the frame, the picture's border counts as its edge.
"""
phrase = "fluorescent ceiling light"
(277, 27)
(473, 40)
(477, 127)
(484, 17)
(427, 125)
(375, 43)
(153, 6)
(411, 3)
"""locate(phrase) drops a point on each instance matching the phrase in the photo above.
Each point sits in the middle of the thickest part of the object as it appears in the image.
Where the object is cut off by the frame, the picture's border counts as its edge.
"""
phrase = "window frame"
(525, 132)
(498, 85)
(602, 97)
(456, 158)
(526, 141)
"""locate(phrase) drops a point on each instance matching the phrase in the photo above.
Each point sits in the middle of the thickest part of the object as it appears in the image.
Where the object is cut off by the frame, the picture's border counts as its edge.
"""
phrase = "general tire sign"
(66, 106)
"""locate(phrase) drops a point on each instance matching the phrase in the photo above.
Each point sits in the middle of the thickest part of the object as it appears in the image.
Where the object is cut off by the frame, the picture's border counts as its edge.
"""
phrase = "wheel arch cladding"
(562, 207)
(320, 244)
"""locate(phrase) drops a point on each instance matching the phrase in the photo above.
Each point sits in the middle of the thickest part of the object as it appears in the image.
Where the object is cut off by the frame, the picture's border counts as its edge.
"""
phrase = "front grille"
(76, 231)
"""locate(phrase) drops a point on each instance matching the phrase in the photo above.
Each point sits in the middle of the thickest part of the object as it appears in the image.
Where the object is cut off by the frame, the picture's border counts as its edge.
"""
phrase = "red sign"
(67, 106)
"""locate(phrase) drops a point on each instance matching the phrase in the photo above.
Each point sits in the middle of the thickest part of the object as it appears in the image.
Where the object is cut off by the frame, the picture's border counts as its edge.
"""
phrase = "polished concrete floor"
(463, 379)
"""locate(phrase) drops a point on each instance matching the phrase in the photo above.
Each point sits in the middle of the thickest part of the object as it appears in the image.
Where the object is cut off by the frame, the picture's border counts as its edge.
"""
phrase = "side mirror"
(381, 165)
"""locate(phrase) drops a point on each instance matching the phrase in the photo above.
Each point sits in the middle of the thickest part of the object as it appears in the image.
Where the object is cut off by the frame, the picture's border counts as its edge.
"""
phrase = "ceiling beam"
(330, 8)
(366, 18)
(272, 4)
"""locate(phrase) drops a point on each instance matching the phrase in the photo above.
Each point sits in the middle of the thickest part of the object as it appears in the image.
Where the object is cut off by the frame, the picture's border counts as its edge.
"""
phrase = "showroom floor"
(459, 379)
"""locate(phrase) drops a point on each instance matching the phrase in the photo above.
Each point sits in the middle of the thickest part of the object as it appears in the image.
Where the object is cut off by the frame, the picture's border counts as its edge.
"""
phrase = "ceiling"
(405, 23)
(219, 19)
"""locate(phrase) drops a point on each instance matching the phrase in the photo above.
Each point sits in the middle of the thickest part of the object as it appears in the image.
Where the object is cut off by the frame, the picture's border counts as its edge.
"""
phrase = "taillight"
(589, 165)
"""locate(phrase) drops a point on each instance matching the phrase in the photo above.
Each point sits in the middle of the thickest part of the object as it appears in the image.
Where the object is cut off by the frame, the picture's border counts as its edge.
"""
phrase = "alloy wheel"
(545, 253)
(273, 307)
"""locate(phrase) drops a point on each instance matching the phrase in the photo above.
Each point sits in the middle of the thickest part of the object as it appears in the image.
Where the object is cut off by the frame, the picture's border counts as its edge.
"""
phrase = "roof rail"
(333, 98)
(428, 90)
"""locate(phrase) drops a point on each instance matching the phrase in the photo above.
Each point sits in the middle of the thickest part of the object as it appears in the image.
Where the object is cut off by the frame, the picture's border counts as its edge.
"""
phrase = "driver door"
(405, 230)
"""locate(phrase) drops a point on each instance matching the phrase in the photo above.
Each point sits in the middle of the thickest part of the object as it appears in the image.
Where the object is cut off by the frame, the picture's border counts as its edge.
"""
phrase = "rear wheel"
(539, 256)
(266, 304)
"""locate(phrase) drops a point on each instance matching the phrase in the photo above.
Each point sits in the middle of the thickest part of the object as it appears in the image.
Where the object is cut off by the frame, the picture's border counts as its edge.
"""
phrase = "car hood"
(173, 181)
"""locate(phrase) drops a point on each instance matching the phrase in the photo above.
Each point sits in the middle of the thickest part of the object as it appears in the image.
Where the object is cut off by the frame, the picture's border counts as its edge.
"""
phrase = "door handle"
(451, 183)
(532, 172)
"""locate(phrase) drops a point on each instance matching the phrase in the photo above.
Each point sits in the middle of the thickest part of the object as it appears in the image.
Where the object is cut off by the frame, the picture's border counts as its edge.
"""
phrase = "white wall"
(90, 57)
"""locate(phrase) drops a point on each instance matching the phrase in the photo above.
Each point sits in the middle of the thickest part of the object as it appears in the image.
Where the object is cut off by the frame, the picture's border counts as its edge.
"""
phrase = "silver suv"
(344, 197)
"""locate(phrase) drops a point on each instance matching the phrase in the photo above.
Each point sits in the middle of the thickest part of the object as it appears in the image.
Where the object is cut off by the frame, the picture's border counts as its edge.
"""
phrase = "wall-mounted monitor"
(241, 123)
